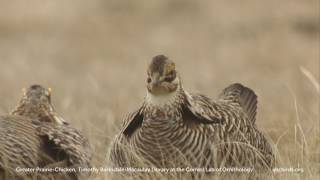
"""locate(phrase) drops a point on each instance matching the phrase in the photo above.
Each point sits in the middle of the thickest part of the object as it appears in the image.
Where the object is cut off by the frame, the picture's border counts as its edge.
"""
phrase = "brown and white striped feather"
(193, 129)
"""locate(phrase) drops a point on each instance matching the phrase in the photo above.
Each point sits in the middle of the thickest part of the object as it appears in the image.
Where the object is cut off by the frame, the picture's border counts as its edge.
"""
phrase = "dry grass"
(94, 55)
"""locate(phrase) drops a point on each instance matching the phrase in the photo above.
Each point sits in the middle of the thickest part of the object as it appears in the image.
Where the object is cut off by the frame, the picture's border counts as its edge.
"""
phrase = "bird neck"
(43, 112)
(164, 107)
(40, 112)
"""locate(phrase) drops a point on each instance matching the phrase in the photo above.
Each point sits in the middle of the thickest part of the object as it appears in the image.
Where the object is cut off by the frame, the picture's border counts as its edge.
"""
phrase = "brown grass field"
(94, 55)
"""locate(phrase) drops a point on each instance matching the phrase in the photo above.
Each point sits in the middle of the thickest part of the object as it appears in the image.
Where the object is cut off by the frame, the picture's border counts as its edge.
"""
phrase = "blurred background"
(94, 55)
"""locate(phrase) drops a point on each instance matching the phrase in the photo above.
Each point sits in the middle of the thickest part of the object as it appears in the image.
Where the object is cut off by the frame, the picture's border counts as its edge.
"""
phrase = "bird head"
(36, 96)
(162, 76)
(36, 103)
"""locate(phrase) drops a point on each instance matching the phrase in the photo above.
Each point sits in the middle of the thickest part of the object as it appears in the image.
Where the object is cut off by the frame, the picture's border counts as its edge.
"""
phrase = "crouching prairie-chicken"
(174, 128)
(34, 136)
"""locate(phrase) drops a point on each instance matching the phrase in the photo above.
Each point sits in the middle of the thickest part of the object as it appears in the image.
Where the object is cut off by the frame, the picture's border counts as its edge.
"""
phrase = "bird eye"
(149, 80)
(171, 76)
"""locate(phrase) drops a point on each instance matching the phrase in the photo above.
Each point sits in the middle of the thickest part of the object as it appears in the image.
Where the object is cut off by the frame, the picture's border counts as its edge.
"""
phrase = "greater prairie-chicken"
(33, 135)
(173, 128)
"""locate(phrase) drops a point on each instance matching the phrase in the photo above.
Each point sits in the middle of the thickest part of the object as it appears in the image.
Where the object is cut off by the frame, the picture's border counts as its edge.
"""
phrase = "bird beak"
(156, 80)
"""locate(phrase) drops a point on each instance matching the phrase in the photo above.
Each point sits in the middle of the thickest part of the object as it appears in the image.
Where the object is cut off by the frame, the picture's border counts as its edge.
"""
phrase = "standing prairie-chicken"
(33, 135)
(174, 128)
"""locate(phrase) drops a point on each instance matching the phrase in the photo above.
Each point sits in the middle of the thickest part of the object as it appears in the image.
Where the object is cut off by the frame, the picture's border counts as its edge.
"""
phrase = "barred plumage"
(35, 136)
(174, 128)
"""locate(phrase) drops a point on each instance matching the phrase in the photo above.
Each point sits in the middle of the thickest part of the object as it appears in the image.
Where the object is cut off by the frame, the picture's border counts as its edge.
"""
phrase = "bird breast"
(167, 143)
